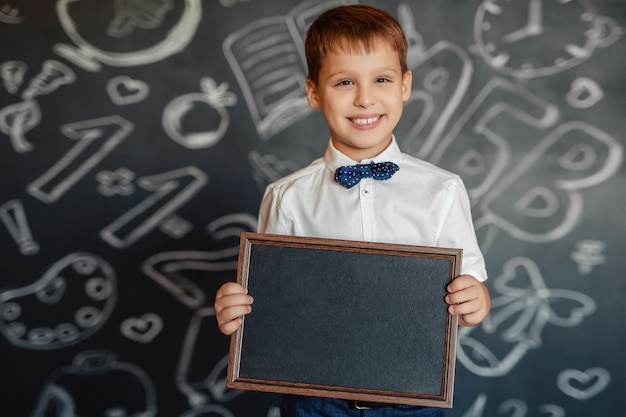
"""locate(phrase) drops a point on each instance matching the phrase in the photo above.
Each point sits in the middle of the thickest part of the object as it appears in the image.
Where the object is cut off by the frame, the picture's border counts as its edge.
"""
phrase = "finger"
(467, 307)
(462, 296)
(230, 318)
(230, 327)
(460, 283)
(231, 295)
(232, 300)
(230, 288)
(470, 319)
(232, 312)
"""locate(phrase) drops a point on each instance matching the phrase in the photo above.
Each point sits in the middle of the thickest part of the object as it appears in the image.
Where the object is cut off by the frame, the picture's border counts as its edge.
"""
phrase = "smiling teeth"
(367, 121)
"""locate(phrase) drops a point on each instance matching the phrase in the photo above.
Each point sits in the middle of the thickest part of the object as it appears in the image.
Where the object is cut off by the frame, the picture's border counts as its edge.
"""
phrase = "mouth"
(365, 121)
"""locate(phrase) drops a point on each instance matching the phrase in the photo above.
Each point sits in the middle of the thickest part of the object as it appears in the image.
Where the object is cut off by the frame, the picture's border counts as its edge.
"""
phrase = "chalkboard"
(345, 319)
(137, 137)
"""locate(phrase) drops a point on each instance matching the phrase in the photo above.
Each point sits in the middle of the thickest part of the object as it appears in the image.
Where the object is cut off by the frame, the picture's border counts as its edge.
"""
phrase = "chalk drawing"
(142, 14)
(275, 97)
(129, 389)
(12, 74)
(10, 14)
(80, 57)
(16, 120)
(478, 406)
(166, 267)
(273, 412)
(169, 191)
(175, 227)
(551, 410)
(513, 407)
(588, 254)
(213, 386)
(505, 47)
(210, 410)
(73, 300)
(481, 154)
(583, 155)
(441, 76)
(53, 74)
(583, 385)
(584, 93)
(268, 168)
(14, 218)
(89, 56)
(216, 97)
(525, 301)
(517, 408)
(124, 90)
(142, 329)
(413, 37)
(118, 182)
(231, 3)
(231, 226)
(96, 139)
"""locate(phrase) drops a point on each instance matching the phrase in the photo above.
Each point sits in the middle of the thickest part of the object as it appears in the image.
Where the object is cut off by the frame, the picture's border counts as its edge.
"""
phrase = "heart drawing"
(583, 385)
(124, 90)
(142, 329)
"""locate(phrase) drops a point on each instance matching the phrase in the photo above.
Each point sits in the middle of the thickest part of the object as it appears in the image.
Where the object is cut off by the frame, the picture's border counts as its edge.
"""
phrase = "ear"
(311, 94)
(407, 80)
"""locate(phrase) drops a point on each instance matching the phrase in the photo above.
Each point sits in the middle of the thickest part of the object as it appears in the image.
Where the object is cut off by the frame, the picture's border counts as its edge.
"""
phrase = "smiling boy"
(361, 97)
(364, 187)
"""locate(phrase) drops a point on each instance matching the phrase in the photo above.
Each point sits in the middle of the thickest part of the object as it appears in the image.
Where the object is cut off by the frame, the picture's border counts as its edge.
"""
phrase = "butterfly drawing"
(519, 315)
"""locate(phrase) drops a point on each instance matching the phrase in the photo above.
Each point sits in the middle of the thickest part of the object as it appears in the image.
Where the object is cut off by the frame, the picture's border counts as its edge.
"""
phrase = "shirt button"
(365, 191)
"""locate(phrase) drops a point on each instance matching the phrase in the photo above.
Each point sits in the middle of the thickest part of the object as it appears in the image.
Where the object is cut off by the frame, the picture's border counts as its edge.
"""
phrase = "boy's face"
(361, 98)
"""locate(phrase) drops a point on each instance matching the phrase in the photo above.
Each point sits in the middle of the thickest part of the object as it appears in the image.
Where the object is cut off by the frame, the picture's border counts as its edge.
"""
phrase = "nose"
(364, 96)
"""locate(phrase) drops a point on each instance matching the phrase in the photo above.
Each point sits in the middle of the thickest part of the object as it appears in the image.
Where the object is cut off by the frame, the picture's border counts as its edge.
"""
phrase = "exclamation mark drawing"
(14, 218)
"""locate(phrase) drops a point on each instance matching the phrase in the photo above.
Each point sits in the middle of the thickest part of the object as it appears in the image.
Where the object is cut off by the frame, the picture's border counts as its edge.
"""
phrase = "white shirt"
(420, 205)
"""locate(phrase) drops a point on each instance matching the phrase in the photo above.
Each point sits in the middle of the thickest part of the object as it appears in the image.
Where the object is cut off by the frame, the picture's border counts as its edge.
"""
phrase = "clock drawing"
(534, 38)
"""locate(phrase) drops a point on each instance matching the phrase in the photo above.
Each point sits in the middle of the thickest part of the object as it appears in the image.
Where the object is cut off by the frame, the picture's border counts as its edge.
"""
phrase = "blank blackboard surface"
(346, 318)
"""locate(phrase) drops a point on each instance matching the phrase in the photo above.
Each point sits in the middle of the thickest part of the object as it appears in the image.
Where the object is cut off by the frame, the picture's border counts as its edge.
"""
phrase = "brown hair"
(352, 27)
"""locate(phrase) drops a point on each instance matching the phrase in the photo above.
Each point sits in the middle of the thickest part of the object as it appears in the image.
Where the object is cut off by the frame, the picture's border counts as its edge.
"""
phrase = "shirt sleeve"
(457, 231)
(270, 219)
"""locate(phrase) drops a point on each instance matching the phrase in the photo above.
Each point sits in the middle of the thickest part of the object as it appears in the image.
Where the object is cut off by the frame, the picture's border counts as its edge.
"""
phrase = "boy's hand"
(231, 302)
(469, 299)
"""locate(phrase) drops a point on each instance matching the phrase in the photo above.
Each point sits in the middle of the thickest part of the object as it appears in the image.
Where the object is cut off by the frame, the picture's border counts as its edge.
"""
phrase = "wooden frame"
(345, 319)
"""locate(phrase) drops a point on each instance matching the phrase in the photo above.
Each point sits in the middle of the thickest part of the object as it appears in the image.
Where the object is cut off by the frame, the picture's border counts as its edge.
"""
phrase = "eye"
(343, 82)
(383, 80)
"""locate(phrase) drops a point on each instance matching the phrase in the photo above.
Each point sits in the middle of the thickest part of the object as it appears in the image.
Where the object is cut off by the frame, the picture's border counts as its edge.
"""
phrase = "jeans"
(302, 406)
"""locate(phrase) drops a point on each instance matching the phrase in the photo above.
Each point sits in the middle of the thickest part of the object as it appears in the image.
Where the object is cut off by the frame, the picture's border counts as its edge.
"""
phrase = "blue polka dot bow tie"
(349, 176)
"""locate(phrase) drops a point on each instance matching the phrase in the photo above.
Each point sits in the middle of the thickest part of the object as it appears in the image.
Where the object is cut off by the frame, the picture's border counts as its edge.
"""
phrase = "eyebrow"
(376, 71)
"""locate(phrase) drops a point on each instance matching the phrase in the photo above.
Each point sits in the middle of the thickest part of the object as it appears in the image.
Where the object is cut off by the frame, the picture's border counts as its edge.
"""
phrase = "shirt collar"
(333, 158)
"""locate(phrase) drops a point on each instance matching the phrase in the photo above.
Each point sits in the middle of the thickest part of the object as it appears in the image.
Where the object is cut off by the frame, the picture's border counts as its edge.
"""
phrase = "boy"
(358, 78)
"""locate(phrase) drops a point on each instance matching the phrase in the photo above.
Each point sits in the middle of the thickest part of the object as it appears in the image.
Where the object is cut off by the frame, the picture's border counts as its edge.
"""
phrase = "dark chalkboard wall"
(136, 138)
